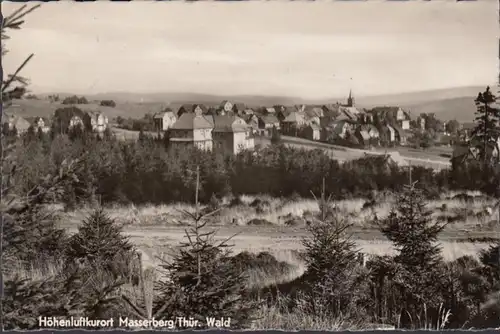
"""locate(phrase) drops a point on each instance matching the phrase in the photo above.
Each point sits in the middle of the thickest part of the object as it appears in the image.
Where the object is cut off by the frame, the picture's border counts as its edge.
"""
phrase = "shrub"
(108, 103)
(75, 100)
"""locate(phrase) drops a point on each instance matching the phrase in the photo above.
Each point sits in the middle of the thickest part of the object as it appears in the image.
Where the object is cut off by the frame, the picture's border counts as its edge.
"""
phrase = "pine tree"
(101, 257)
(203, 281)
(332, 274)
(275, 136)
(487, 130)
(30, 135)
(414, 235)
(142, 137)
(99, 241)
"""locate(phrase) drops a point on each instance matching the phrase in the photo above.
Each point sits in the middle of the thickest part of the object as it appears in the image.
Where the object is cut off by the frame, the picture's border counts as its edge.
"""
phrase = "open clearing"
(156, 229)
(157, 242)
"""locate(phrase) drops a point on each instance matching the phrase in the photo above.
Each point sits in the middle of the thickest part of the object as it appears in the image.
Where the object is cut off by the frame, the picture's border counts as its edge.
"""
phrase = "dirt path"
(155, 241)
(276, 233)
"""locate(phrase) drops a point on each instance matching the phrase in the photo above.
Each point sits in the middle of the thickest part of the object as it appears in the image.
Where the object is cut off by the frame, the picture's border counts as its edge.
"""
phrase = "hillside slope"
(44, 108)
(462, 109)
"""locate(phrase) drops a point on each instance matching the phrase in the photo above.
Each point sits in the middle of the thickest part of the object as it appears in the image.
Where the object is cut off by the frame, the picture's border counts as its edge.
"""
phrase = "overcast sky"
(302, 49)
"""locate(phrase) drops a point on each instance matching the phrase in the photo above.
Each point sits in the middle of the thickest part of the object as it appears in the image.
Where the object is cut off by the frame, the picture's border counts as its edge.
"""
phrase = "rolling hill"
(44, 108)
(452, 103)
(461, 108)
(447, 104)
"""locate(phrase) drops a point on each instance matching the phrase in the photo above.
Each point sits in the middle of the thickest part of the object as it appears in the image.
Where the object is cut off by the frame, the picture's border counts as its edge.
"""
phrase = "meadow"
(276, 227)
(263, 223)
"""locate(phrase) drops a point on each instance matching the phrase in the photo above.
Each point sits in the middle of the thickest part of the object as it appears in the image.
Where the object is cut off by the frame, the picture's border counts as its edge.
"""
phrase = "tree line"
(151, 171)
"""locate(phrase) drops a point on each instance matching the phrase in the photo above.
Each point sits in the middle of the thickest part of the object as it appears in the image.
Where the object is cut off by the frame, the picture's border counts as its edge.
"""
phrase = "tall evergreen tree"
(414, 235)
(202, 279)
(487, 130)
(332, 276)
(275, 136)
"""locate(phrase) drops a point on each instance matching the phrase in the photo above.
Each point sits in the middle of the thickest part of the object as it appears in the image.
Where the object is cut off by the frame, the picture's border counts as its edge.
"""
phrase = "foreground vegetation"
(412, 288)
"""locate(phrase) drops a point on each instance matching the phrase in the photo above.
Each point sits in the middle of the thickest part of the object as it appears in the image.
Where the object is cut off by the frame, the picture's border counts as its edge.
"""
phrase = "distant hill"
(447, 104)
(452, 103)
(44, 108)
(461, 108)
(411, 98)
(422, 97)
(182, 98)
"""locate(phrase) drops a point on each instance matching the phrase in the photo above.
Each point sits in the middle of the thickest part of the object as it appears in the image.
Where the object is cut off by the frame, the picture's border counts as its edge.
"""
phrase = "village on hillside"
(233, 126)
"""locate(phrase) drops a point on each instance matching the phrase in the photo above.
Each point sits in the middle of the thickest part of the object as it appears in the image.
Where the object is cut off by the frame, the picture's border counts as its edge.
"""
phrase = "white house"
(164, 120)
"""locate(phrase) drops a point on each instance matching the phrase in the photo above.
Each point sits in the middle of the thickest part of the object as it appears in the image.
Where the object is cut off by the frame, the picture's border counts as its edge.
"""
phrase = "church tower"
(350, 99)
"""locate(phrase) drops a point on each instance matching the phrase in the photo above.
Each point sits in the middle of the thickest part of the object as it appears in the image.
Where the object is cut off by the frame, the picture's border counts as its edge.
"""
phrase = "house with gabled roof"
(371, 130)
(76, 121)
(312, 132)
(253, 121)
(314, 111)
(392, 133)
(192, 108)
(239, 108)
(466, 151)
(363, 136)
(12, 121)
(96, 120)
(268, 111)
(300, 107)
(284, 111)
(225, 108)
(281, 112)
(401, 135)
(294, 121)
(232, 134)
(340, 128)
(353, 113)
(267, 123)
(192, 129)
(393, 115)
(38, 122)
(163, 120)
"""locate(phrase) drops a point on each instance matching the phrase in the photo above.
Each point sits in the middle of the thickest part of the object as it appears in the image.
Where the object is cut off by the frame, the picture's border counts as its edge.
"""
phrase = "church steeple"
(350, 99)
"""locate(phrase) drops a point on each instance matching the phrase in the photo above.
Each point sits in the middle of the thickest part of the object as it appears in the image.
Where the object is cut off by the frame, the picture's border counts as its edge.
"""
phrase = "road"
(276, 233)
(343, 154)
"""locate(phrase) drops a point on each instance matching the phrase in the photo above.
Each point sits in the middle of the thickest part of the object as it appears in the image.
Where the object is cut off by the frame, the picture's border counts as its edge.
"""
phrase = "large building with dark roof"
(229, 133)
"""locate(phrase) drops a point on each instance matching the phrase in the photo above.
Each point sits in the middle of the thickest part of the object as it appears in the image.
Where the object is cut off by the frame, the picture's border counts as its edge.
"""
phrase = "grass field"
(278, 226)
(267, 227)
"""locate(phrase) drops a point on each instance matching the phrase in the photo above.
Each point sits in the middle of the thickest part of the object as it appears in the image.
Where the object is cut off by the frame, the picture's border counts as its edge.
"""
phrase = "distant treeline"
(148, 171)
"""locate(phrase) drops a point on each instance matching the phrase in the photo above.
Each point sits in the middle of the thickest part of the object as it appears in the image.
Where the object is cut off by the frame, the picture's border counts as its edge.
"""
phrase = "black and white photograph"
(287, 165)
